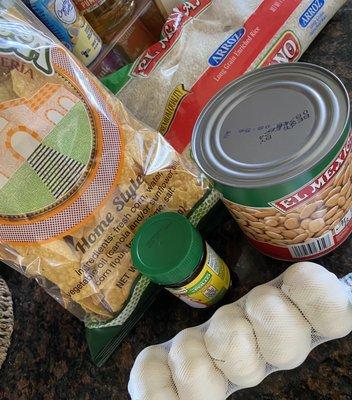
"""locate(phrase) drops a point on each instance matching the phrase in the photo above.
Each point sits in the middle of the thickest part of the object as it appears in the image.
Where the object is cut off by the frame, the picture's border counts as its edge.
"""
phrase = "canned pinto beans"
(277, 143)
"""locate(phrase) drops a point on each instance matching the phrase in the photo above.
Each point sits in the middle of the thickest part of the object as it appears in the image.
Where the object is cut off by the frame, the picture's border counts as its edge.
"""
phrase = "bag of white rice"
(78, 175)
(205, 45)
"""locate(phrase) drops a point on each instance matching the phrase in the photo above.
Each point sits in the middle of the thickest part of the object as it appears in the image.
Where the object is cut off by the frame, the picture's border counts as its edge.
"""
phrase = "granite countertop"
(49, 358)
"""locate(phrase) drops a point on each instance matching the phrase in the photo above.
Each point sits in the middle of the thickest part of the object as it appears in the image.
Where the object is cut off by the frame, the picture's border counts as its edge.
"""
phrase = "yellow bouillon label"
(209, 286)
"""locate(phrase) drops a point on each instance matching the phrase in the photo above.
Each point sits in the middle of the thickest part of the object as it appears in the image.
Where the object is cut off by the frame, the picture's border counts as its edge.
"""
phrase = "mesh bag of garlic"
(273, 327)
(205, 45)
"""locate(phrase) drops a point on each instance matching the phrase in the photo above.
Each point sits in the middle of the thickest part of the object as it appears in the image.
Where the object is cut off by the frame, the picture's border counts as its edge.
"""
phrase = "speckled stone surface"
(49, 360)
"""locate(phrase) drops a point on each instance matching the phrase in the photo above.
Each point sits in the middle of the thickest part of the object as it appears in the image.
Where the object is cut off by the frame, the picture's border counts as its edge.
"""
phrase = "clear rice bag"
(205, 45)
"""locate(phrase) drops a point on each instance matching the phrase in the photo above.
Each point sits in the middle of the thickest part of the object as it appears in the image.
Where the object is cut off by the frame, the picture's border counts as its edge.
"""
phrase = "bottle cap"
(167, 248)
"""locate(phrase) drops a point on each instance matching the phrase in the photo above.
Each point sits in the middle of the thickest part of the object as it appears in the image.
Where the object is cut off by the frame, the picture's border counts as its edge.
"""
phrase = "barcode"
(210, 292)
(312, 247)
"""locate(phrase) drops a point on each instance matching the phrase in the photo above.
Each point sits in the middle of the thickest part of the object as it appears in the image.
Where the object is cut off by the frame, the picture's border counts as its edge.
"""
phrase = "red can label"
(307, 223)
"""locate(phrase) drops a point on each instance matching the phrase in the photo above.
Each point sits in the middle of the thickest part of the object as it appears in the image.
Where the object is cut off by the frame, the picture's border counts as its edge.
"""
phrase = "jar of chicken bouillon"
(171, 253)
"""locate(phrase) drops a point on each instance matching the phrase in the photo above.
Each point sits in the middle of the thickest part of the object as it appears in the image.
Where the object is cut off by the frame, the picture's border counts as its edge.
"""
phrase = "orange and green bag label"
(78, 175)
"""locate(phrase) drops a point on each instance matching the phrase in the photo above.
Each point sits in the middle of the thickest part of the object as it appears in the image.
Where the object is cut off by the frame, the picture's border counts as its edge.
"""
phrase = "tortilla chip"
(6, 90)
(26, 85)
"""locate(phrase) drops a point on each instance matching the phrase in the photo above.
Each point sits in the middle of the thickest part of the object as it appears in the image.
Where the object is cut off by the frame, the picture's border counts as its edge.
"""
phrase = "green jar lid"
(167, 248)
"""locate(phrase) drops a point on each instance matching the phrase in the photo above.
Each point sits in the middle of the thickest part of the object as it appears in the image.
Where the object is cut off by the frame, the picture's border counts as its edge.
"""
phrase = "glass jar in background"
(134, 39)
(166, 6)
(111, 61)
(131, 38)
(153, 20)
(106, 16)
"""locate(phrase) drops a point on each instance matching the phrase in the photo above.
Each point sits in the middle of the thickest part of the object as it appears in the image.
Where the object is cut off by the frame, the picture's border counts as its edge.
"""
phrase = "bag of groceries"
(78, 175)
(205, 45)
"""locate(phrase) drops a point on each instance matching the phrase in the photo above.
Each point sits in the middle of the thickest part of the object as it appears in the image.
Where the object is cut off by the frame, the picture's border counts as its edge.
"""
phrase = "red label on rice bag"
(232, 59)
(171, 31)
(288, 49)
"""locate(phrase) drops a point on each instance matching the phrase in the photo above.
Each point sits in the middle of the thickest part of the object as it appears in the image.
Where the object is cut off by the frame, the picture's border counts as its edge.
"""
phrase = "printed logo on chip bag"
(52, 148)
(38, 149)
(286, 50)
(35, 49)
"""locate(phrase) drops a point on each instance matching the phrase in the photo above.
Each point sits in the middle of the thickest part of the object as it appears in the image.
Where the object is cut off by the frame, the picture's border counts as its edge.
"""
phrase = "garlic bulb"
(164, 394)
(283, 335)
(321, 297)
(193, 371)
(231, 342)
(151, 375)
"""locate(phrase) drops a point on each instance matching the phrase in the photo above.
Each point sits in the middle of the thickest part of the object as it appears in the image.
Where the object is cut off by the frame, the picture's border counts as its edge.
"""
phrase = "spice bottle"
(171, 252)
(71, 28)
(106, 16)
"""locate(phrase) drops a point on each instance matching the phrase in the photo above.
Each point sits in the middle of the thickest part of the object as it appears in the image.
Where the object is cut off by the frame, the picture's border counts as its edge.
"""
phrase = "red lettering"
(300, 197)
(296, 199)
(5, 62)
(16, 65)
(171, 31)
(287, 50)
(29, 71)
(287, 203)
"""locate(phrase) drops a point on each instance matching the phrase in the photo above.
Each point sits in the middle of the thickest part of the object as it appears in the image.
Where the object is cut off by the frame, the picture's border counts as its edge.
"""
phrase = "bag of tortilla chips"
(78, 175)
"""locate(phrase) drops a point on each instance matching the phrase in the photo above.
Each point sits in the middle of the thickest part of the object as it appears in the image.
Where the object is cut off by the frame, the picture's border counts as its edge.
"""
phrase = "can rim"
(202, 159)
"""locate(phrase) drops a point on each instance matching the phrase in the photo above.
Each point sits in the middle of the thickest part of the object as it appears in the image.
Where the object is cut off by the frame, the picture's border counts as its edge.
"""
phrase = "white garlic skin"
(164, 394)
(193, 371)
(151, 374)
(322, 298)
(231, 342)
(283, 334)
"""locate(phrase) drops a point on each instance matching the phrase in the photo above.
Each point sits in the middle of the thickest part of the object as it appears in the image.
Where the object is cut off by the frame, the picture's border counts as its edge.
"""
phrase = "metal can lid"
(271, 125)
